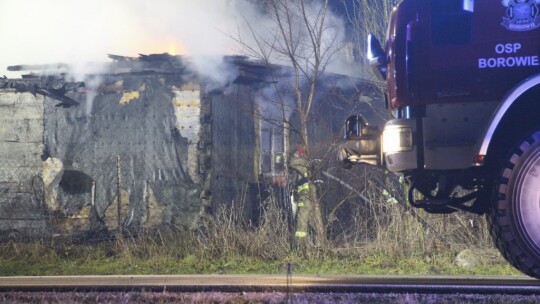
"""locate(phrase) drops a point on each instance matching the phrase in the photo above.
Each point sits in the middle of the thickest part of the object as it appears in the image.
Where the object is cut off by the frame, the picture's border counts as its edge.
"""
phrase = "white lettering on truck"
(509, 61)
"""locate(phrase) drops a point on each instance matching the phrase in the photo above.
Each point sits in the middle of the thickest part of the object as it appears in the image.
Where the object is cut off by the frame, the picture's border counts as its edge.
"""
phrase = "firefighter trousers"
(304, 211)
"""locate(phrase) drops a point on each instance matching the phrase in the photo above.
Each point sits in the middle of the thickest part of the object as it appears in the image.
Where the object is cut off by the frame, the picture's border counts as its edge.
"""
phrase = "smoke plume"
(81, 31)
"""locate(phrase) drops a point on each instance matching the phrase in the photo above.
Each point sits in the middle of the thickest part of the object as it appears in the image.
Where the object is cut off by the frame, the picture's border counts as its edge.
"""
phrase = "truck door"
(479, 49)
(446, 76)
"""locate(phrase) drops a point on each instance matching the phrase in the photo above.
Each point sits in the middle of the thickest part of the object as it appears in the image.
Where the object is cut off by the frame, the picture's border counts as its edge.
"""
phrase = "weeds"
(368, 233)
(392, 243)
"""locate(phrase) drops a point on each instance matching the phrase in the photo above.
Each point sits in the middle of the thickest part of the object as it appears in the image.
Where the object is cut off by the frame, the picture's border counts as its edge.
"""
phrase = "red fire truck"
(463, 88)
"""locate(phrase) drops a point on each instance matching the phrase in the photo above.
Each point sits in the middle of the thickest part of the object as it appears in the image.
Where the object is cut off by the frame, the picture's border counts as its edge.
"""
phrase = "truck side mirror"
(353, 127)
(363, 142)
(376, 56)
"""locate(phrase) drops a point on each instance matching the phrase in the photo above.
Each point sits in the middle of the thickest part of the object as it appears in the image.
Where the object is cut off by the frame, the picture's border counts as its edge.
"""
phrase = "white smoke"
(276, 103)
(80, 31)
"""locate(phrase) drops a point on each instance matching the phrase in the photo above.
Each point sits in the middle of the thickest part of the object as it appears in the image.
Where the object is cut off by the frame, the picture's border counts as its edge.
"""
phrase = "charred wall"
(234, 141)
(126, 157)
(129, 135)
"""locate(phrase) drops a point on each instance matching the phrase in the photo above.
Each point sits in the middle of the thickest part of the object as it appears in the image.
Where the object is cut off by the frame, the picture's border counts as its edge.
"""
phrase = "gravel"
(241, 298)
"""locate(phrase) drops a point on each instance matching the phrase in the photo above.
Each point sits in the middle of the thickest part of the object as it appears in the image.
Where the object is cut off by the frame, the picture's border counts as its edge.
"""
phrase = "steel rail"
(265, 283)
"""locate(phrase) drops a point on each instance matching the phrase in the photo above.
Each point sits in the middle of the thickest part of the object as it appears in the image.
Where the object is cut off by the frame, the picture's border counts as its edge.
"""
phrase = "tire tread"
(499, 217)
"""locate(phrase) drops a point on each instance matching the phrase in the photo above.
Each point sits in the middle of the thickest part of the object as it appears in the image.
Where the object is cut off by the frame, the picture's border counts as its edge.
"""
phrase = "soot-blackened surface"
(89, 139)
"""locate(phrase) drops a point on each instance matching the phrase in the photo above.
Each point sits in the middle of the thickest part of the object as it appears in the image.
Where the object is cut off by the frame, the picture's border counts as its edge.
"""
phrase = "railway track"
(276, 283)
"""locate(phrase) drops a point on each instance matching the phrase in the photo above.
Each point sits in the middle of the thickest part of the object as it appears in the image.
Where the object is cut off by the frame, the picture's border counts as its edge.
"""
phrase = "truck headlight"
(397, 139)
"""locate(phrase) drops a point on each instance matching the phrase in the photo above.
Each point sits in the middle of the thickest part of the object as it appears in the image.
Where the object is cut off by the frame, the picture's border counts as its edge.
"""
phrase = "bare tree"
(365, 17)
(368, 17)
(302, 38)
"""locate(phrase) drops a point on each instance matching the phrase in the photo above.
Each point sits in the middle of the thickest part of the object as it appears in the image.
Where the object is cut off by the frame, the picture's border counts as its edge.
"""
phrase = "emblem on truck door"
(521, 15)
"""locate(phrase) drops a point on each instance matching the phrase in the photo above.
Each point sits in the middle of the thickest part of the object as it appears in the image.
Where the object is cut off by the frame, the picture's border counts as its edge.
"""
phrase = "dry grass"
(229, 234)
(378, 236)
(374, 216)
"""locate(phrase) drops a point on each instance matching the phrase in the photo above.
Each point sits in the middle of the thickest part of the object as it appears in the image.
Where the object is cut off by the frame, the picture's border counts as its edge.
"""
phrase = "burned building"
(146, 143)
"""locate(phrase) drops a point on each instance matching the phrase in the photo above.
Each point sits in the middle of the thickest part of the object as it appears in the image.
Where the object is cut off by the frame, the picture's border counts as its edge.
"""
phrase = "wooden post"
(118, 194)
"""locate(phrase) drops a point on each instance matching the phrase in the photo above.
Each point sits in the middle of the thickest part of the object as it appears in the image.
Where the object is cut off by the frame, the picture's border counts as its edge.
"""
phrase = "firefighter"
(300, 164)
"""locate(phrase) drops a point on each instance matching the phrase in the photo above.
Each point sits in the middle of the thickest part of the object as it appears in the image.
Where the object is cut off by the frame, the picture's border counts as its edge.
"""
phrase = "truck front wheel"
(515, 214)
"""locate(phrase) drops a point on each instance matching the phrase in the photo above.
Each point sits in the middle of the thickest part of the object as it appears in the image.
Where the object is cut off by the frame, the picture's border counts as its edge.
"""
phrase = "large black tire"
(515, 214)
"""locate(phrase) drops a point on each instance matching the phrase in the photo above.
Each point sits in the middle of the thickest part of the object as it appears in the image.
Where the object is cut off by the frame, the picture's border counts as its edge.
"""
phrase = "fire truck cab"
(463, 90)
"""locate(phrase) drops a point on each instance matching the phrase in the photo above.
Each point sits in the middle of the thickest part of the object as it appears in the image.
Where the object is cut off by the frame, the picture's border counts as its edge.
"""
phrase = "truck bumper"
(399, 145)
(445, 138)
